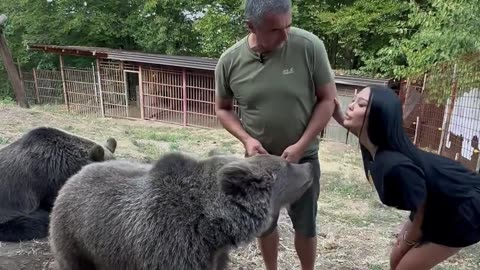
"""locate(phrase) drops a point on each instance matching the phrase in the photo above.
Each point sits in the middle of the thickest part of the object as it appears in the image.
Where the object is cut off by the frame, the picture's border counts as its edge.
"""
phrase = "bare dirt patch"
(354, 230)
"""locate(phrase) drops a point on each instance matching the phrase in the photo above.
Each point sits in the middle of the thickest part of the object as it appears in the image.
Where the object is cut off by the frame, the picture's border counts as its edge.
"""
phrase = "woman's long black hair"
(385, 126)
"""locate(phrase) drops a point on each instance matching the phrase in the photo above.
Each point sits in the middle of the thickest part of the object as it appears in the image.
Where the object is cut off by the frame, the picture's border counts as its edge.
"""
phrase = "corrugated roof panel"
(177, 61)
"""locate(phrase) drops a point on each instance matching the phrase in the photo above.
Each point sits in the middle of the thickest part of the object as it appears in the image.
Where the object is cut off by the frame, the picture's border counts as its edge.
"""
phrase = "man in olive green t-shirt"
(281, 78)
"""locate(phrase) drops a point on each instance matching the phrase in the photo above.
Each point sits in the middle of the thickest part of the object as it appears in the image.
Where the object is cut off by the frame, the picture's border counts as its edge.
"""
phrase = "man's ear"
(235, 178)
(250, 26)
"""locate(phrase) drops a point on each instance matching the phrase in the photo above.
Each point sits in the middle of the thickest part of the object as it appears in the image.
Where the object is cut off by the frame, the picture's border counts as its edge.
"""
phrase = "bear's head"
(101, 153)
(265, 177)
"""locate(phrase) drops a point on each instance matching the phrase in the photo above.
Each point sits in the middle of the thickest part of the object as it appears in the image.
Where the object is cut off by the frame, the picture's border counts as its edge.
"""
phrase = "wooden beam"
(12, 71)
(140, 83)
(62, 72)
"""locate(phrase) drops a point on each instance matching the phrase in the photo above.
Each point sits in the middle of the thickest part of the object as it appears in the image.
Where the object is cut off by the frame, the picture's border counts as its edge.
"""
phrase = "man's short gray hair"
(255, 10)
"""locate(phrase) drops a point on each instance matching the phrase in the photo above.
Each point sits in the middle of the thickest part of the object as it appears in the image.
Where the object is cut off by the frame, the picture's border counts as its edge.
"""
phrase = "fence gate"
(114, 93)
(163, 95)
(82, 91)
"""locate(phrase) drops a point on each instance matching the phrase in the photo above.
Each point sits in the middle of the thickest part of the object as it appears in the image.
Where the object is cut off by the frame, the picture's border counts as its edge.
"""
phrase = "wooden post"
(416, 130)
(477, 169)
(125, 86)
(20, 74)
(407, 93)
(443, 128)
(100, 88)
(37, 94)
(94, 83)
(12, 71)
(422, 112)
(449, 110)
(184, 91)
(62, 72)
(140, 84)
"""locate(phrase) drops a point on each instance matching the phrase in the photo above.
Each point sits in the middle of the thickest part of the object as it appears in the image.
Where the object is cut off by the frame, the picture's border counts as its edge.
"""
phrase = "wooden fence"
(171, 95)
(441, 111)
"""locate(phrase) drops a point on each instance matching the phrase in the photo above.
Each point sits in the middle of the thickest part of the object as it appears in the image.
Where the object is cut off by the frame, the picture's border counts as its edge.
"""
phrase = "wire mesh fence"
(442, 111)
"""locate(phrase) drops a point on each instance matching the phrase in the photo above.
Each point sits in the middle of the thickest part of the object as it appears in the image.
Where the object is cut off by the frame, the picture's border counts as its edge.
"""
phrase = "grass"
(355, 230)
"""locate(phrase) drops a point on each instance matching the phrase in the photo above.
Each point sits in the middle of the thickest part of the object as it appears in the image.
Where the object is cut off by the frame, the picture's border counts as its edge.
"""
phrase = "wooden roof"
(171, 60)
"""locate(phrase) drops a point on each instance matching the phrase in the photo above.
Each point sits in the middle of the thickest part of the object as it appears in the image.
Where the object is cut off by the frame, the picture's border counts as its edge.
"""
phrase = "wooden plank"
(62, 73)
(140, 89)
(36, 85)
(100, 88)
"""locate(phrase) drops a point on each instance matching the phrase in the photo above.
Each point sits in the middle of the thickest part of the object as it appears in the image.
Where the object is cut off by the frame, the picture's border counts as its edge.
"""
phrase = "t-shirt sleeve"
(322, 71)
(222, 87)
(404, 187)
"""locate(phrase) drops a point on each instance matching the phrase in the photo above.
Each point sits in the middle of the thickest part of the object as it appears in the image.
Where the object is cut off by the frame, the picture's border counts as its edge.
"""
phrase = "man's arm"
(322, 113)
(229, 120)
(325, 91)
(224, 102)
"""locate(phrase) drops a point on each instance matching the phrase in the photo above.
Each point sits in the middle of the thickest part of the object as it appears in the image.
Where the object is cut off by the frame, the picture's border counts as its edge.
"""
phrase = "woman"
(442, 196)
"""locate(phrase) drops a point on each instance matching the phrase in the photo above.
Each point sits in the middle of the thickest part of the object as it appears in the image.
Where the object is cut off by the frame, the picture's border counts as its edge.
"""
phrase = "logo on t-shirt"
(288, 71)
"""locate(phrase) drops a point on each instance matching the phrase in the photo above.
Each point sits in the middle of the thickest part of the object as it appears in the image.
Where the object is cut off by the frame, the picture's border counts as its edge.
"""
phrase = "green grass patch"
(339, 184)
(377, 267)
(7, 101)
(4, 140)
(163, 135)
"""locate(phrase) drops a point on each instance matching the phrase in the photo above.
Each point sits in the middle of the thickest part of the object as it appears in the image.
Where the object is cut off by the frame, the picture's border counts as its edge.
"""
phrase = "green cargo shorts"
(303, 212)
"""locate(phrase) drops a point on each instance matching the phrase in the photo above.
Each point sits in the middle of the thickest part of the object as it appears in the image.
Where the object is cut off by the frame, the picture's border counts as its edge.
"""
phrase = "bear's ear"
(111, 145)
(235, 178)
(96, 153)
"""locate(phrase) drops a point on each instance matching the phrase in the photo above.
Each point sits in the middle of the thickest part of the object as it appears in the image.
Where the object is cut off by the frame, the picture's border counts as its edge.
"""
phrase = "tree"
(436, 32)
(11, 69)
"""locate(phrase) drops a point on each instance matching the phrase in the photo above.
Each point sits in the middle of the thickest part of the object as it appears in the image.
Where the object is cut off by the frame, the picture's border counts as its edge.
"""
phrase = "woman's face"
(357, 110)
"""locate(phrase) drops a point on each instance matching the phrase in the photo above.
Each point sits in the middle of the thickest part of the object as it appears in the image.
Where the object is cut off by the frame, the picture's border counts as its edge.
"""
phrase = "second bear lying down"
(179, 213)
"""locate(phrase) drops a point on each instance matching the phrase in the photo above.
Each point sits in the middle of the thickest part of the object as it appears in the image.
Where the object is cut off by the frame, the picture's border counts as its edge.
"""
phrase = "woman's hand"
(338, 114)
(407, 238)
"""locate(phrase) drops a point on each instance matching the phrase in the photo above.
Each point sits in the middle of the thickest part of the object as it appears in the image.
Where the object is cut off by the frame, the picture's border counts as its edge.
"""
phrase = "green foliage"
(7, 100)
(220, 27)
(446, 30)
(436, 32)
(379, 38)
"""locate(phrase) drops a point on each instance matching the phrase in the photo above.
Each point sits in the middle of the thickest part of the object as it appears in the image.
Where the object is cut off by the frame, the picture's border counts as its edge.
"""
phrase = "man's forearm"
(321, 116)
(231, 123)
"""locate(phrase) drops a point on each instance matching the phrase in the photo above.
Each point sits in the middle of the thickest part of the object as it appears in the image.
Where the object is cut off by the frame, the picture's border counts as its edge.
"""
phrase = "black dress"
(451, 192)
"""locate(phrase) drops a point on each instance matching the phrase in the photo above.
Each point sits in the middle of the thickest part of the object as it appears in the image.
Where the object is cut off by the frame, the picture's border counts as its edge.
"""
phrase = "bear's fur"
(32, 170)
(178, 213)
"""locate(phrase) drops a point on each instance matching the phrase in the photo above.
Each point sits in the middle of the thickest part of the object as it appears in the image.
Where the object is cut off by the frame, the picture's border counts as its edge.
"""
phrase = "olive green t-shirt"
(276, 92)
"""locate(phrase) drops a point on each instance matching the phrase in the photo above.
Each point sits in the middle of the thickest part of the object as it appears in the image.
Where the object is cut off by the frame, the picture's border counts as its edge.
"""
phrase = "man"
(283, 83)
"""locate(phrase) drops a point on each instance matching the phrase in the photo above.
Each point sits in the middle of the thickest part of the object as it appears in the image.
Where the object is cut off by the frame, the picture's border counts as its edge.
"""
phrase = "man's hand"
(253, 147)
(293, 153)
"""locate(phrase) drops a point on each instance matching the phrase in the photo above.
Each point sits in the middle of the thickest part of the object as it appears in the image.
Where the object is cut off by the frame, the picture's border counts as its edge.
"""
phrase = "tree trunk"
(12, 72)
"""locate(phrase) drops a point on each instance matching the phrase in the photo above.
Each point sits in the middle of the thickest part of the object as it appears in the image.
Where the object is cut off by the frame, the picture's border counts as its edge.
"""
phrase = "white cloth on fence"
(465, 121)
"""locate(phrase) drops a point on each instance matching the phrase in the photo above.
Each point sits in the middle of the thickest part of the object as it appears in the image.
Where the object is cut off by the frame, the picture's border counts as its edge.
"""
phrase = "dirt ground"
(354, 230)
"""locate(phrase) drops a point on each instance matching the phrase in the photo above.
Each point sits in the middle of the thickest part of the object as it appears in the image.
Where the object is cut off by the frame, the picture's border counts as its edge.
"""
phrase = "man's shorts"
(303, 212)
